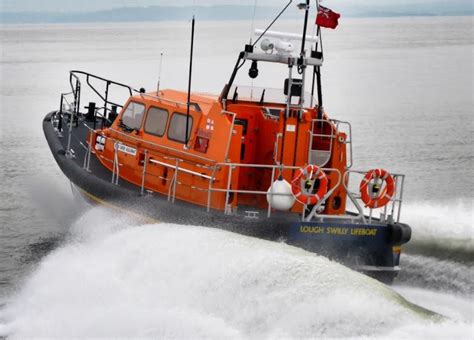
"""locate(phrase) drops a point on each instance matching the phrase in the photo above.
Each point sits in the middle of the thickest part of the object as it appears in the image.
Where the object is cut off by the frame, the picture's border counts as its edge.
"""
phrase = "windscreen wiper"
(125, 127)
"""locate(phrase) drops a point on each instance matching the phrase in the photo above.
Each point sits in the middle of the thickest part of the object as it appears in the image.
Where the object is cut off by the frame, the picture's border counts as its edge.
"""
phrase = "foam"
(115, 279)
(441, 231)
(446, 221)
(436, 274)
(445, 330)
(454, 306)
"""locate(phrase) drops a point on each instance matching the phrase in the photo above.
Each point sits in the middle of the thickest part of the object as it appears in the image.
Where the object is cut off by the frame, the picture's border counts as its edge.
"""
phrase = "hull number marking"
(127, 149)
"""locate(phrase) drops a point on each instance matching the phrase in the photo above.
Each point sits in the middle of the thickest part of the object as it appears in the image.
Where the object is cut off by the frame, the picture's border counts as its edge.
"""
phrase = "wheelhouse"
(232, 156)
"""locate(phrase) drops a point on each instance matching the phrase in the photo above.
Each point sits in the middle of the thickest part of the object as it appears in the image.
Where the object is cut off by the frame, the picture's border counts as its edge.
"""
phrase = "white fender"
(280, 202)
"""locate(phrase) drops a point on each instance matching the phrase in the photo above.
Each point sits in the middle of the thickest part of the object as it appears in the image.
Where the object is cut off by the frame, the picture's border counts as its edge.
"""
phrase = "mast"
(301, 64)
(317, 69)
(188, 104)
(305, 27)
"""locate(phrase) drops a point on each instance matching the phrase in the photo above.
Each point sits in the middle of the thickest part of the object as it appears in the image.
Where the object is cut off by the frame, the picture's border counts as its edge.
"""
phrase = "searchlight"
(280, 42)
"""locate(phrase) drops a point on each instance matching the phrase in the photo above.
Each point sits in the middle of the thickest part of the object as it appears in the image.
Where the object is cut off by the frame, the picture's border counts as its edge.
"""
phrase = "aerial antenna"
(241, 61)
(188, 104)
(251, 34)
(273, 21)
(253, 21)
(159, 75)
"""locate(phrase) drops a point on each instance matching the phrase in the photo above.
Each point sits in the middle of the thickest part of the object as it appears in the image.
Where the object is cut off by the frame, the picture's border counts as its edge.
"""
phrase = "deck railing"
(390, 213)
(174, 159)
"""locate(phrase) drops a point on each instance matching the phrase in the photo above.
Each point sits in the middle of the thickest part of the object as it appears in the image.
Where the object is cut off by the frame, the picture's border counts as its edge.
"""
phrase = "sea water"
(405, 84)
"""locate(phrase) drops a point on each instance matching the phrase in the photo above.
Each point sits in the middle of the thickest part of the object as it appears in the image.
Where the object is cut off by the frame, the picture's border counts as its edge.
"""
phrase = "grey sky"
(94, 5)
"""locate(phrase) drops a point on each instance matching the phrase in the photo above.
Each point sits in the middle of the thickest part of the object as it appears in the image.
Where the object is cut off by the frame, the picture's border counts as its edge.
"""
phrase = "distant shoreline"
(207, 13)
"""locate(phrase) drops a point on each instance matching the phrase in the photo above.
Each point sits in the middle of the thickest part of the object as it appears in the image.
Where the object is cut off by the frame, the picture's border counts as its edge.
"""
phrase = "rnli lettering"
(127, 149)
(305, 229)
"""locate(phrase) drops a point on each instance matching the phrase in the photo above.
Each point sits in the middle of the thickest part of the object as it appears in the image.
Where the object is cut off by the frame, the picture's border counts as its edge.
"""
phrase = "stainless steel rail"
(394, 205)
(175, 167)
(391, 212)
(231, 133)
(314, 210)
(348, 140)
(163, 147)
(322, 135)
(335, 126)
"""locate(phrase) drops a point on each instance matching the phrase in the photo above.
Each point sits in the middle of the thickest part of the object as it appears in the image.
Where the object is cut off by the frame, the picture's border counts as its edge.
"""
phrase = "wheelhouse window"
(133, 115)
(156, 120)
(177, 128)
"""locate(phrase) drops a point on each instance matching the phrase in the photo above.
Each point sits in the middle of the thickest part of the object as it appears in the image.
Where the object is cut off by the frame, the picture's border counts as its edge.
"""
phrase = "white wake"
(447, 224)
(115, 279)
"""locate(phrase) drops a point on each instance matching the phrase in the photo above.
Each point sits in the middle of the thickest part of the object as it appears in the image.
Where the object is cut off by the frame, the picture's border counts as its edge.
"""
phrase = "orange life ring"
(298, 184)
(382, 197)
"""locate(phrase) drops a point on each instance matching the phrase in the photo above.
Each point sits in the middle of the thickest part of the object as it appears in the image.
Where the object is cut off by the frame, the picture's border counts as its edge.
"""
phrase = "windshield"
(133, 115)
(270, 95)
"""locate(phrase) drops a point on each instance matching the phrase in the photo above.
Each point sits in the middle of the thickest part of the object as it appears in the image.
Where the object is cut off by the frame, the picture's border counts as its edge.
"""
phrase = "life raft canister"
(371, 194)
(298, 184)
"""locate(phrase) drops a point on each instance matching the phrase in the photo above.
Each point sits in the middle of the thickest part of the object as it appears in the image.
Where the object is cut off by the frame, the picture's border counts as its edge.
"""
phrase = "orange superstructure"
(244, 134)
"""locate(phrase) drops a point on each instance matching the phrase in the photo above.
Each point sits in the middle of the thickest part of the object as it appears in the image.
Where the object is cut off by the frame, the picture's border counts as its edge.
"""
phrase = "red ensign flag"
(327, 18)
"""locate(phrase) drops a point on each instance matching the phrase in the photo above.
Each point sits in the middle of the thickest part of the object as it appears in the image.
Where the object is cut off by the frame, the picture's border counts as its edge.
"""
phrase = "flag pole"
(317, 70)
(314, 68)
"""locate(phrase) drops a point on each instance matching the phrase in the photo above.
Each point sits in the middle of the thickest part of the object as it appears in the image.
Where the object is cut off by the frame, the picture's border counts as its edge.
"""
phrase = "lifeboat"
(263, 162)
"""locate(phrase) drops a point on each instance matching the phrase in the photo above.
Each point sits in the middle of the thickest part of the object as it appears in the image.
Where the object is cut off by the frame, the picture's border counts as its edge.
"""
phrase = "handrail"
(112, 82)
(268, 166)
(228, 190)
(74, 115)
(275, 147)
(196, 106)
(395, 201)
(151, 160)
(163, 146)
(331, 136)
(116, 166)
(75, 83)
(145, 162)
(87, 157)
(206, 163)
(395, 207)
(228, 207)
(74, 75)
(347, 141)
(314, 210)
(231, 133)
